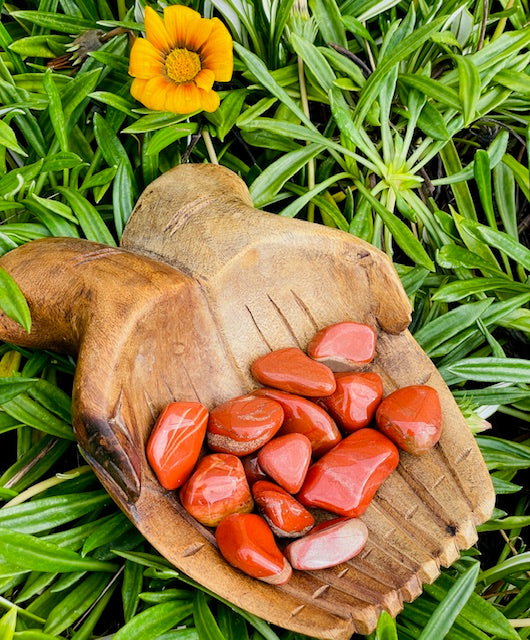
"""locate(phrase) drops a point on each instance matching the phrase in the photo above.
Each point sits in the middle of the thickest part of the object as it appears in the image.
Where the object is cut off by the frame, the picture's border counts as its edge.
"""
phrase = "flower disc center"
(182, 65)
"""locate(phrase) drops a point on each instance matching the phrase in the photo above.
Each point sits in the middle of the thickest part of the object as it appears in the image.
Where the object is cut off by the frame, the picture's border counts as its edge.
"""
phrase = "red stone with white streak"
(286, 460)
(343, 345)
(285, 515)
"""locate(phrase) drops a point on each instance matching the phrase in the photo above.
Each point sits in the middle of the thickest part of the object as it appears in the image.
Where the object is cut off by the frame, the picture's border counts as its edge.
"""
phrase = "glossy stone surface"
(292, 370)
(217, 488)
(286, 460)
(328, 544)
(286, 516)
(175, 443)
(345, 479)
(243, 424)
(355, 400)
(305, 417)
(343, 345)
(246, 542)
(412, 418)
(252, 469)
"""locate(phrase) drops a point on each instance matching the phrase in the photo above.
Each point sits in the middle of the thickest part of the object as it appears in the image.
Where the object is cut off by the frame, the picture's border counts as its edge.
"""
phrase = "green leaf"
(226, 115)
(11, 387)
(511, 567)
(386, 627)
(166, 136)
(315, 60)
(514, 80)
(89, 218)
(291, 210)
(492, 369)
(28, 552)
(115, 101)
(329, 21)
(28, 411)
(270, 180)
(8, 624)
(437, 331)
(468, 88)
(56, 110)
(12, 301)
(154, 621)
(433, 89)
(9, 140)
(204, 619)
(399, 230)
(462, 288)
(504, 243)
(55, 21)
(446, 612)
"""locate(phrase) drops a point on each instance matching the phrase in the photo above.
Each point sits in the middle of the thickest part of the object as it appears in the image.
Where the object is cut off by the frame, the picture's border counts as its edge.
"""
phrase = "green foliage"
(404, 123)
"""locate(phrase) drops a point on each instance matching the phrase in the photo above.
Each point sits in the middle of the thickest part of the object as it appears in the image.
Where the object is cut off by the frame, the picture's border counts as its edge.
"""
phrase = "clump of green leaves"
(404, 123)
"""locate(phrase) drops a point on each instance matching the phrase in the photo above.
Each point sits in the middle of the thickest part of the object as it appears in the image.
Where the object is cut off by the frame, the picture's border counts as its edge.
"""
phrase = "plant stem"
(209, 146)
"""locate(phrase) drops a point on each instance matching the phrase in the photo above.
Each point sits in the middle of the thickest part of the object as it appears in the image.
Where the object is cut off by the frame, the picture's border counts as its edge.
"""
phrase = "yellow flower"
(175, 66)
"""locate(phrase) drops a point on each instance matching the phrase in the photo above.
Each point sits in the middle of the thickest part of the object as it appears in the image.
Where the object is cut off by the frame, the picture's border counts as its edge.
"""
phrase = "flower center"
(182, 65)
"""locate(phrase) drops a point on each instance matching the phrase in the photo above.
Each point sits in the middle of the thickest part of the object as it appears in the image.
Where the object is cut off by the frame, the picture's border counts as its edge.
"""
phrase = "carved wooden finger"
(203, 285)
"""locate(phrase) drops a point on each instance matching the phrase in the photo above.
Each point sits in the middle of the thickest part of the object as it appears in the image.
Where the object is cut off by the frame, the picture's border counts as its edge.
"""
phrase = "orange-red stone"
(252, 469)
(246, 542)
(243, 424)
(286, 516)
(175, 442)
(286, 460)
(292, 370)
(327, 545)
(343, 345)
(412, 418)
(217, 488)
(305, 417)
(345, 479)
(355, 400)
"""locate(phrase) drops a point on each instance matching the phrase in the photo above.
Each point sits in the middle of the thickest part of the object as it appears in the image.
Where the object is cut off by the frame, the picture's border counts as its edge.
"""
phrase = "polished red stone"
(218, 487)
(246, 542)
(305, 417)
(286, 460)
(175, 443)
(412, 418)
(345, 479)
(243, 424)
(355, 400)
(252, 469)
(292, 370)
(286, 516)
(327, 545)
(343, 345)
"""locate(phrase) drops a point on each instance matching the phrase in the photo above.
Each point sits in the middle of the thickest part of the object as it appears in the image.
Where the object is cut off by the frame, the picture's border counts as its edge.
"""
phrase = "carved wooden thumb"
(202, 285)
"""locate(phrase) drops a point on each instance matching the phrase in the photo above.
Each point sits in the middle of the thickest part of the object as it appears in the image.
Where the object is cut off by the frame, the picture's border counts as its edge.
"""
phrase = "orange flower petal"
(155, 30)
(216, 53)
(151, 93)
(182, 21)
(183, 99)
(210, 100)
(204, 79)
(146, 61)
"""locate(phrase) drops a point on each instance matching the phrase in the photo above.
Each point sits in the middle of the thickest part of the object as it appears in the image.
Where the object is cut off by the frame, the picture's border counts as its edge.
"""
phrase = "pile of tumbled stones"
(301, 442)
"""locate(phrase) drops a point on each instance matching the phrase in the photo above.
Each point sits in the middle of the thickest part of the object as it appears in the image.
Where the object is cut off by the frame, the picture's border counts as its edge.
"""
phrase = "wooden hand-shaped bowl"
(202, 286)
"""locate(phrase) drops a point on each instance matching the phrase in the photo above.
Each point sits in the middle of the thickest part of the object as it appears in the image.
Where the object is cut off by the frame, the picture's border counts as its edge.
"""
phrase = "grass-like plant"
(406, 123)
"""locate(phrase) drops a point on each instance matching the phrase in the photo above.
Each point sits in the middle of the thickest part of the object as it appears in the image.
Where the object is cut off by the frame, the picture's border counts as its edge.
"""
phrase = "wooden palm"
(202, 285)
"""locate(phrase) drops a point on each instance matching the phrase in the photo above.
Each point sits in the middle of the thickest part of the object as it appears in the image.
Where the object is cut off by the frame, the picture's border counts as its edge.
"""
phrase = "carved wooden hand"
(202, 286)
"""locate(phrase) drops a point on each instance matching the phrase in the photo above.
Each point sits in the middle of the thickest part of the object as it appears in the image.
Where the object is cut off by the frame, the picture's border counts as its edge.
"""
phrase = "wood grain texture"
(203, 284)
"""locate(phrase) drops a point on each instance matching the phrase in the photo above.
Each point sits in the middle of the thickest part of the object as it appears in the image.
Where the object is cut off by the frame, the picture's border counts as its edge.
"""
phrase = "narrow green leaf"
(315, 60)
(12, 301)
(468, 87)
(89, 218)
(154, 621)
(56, 110)
(386, 627)
(272, 178)
(482, 173)
(511, 567)
(291, 210)
(28, 552)
(399, 230)
(446, 612)
(204, 620)
(449, 324)
(459, 289)
(55, 22)
(123, 197)
(9, 140)
(8, 624)
(33, 414)
(515, 370)
(11, 387)
(115, 101)
(166, 136)
(329, 20)
(505, 243)
(504, 187)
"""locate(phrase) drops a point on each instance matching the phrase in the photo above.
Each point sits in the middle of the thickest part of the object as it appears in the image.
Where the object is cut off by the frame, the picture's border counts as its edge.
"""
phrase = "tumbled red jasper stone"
(175, 442)
(217, 488)
(355, 400)
(246, 542)
(343, 345)
(286, 459)
(328, 545)
(252, 469)
(412, 418)
(292, 370)
(345, 479)
(243, 424)
(285, 515)
(305, 417)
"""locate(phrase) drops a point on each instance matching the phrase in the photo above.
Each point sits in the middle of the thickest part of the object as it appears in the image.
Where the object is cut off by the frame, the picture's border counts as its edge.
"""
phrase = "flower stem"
(311, 163)
(209, 146)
